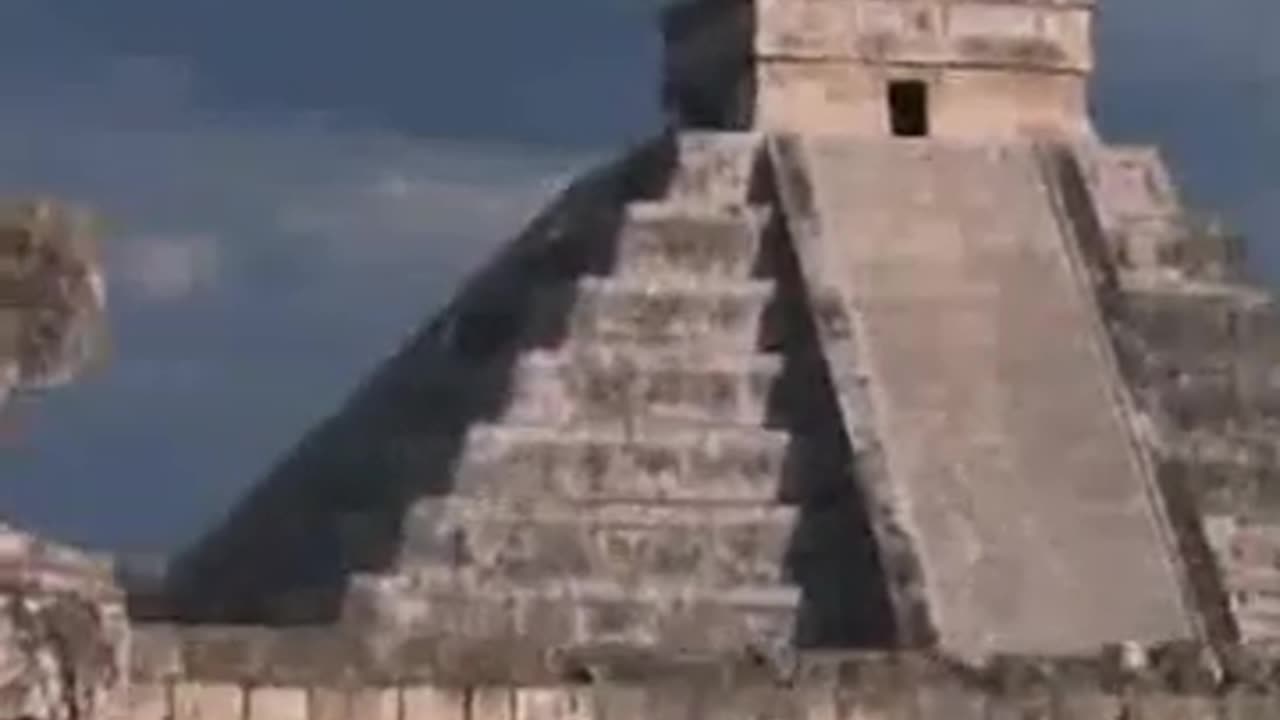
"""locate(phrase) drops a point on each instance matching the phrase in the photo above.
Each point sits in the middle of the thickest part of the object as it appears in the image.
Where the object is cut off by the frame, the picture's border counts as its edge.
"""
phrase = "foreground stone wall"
(63, 632)
(246, 673)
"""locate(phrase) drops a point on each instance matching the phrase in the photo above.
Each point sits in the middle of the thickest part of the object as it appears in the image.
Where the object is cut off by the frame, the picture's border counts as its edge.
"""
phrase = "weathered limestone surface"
(995, 403)
(63, 632)
(992, 70)
(188, 672)
(1199, 345)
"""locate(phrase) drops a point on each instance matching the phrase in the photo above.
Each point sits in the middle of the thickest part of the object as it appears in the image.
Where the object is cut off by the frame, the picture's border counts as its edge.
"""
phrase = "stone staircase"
(1198, 344)
(635, 488)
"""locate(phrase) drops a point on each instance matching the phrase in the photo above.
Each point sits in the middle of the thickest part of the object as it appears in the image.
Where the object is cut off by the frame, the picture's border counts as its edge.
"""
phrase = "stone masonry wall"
(298, 674)
(991, 69)
(63, 632)
(1198, 343)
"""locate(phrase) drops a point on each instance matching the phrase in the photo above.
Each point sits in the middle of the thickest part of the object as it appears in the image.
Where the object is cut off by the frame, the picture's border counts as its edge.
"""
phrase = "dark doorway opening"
(909, 108)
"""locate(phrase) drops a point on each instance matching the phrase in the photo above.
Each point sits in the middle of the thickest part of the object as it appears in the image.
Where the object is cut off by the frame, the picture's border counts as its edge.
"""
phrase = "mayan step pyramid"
(876, 386)
(878, 346)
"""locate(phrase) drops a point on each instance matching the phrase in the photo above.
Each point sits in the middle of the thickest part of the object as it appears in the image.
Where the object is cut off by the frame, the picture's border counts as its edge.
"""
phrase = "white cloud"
(169, 268)
(252, 262)
(405, 213)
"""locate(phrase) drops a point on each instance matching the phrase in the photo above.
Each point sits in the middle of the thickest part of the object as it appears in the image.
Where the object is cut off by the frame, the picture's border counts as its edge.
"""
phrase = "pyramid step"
(593, 384)
(669, 239)
(719, 464)
(717, 546)
(693, 314)
(714, 168)
(1207, 325)
(561, 613)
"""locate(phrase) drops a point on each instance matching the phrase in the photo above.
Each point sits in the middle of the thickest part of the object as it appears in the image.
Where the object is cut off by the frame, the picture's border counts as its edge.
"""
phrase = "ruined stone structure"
(878, 386)
(63, 632)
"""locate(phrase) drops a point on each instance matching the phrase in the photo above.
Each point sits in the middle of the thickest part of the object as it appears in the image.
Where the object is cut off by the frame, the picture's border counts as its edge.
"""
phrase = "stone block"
(593, 385)
(1250, 705)
(818, 701)
(670, 238)
(855, 705)
(707, 316)
(354, 703)
(949, 701)
(554, 703)
(425, 702)
(1165, 706)
(1018, 706)
(989, 20)
(155, 652)
(224, 653)
(148, 701)
(1203, 399)
(815, 29)
(1087, 704)
(715, 168)
(493, 703)
(277, 703)
(208, 701)
(724, 546)
(375, 704)
(1202, 323)
(331, 703)
(525, 463)
(620, 702)
(757, 700)
(592, 612)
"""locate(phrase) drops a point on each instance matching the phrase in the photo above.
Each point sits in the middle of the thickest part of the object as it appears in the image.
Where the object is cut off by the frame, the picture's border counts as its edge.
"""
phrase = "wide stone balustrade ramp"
(1007, 440)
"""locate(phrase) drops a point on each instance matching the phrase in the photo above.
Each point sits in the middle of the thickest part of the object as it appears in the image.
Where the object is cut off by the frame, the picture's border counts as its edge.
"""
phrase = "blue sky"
(292, 185)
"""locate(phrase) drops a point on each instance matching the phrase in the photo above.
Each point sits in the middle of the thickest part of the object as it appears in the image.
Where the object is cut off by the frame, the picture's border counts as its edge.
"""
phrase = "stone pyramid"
(879, 346)
(621, 432)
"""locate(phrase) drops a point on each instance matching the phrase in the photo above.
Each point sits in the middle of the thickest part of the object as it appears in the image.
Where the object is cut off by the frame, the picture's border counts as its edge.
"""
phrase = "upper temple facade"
(972, 69)
(876, 385)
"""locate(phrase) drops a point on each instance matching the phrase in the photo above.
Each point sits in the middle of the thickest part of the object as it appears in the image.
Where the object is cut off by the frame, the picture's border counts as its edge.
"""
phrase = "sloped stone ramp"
(1005, 439)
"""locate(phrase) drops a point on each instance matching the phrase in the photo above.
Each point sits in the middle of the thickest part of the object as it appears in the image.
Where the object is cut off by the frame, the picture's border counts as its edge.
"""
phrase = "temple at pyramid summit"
(876, 385)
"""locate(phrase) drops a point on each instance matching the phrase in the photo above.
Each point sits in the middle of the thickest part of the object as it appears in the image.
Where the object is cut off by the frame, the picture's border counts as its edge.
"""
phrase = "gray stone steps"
(593, 384)
(1220, 398)
(561, 613)
(1212, 324)
(663, 238)
(1256, 445)
(679, 464)
(714, 168)
(692, 314)
(716, 546)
